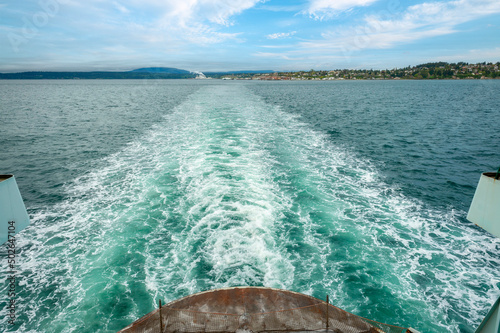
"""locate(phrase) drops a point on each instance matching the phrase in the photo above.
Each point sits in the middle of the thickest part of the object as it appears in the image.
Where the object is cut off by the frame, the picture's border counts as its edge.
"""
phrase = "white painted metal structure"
(485, 207)
(485, 212)
(12, 208)
(491, 323)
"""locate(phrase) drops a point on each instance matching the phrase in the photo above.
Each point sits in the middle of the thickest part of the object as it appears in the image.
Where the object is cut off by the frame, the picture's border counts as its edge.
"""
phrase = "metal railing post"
(327, 306)
(161, 321)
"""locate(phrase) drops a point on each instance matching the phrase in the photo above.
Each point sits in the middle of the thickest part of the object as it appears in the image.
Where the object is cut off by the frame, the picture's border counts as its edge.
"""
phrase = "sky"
(222, 35)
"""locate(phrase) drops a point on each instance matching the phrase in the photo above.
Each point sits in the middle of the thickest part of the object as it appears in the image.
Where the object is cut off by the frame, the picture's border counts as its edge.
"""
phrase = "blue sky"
(210, 35)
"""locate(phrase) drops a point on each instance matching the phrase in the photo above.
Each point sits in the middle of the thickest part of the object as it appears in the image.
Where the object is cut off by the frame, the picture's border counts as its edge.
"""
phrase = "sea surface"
(147, 190)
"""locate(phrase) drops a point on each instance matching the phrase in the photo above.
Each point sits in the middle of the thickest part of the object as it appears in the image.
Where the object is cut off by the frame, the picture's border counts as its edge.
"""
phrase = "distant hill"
(441, 64)
(241, 72)
(140, 73)
(143, 73)
(160, 70)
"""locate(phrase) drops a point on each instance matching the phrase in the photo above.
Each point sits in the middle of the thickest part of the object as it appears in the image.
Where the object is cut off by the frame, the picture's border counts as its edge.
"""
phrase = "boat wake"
(229, 191)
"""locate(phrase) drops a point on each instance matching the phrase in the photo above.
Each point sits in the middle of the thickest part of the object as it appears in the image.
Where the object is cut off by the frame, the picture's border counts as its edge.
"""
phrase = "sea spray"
(230, 190)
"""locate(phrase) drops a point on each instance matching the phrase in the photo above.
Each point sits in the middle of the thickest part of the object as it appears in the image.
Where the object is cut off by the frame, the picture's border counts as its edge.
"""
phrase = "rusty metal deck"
(253, 309)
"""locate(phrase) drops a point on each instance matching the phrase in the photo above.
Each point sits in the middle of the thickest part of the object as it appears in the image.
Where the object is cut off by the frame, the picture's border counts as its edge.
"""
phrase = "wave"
(228, 190)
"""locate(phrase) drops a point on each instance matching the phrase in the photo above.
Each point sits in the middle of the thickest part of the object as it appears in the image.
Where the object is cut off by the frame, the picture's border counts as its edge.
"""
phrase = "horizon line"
(235, 70)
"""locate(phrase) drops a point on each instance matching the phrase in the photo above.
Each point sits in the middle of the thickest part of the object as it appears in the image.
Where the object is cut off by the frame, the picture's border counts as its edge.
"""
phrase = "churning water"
(147, 190)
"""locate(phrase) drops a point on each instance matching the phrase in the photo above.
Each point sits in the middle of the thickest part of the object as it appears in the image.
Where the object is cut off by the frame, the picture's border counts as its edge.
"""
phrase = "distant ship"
(201, 76)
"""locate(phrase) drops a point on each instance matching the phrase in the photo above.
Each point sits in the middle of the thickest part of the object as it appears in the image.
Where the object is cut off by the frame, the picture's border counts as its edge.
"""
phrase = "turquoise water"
(147, 190)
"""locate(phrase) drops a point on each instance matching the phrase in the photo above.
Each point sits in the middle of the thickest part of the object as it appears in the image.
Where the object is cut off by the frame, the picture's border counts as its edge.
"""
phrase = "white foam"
(231, 191)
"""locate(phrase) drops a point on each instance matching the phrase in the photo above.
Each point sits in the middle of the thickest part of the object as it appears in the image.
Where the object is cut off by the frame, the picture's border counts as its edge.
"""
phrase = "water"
(147, 190)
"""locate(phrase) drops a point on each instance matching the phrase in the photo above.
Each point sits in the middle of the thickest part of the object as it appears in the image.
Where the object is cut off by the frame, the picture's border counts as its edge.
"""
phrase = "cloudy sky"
(206, 35)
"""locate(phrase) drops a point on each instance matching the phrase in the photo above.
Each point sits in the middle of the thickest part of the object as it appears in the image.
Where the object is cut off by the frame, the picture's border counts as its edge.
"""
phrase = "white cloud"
(289, 46)
(277, 8)
(215, 11)
(321, 9)
(274, 55)
(219, 11)
(157, 21)
(280, 35)
(420, 21)
(121, 8)
(143, 31)
(194, 21)
(387, 30)
(473, 56)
